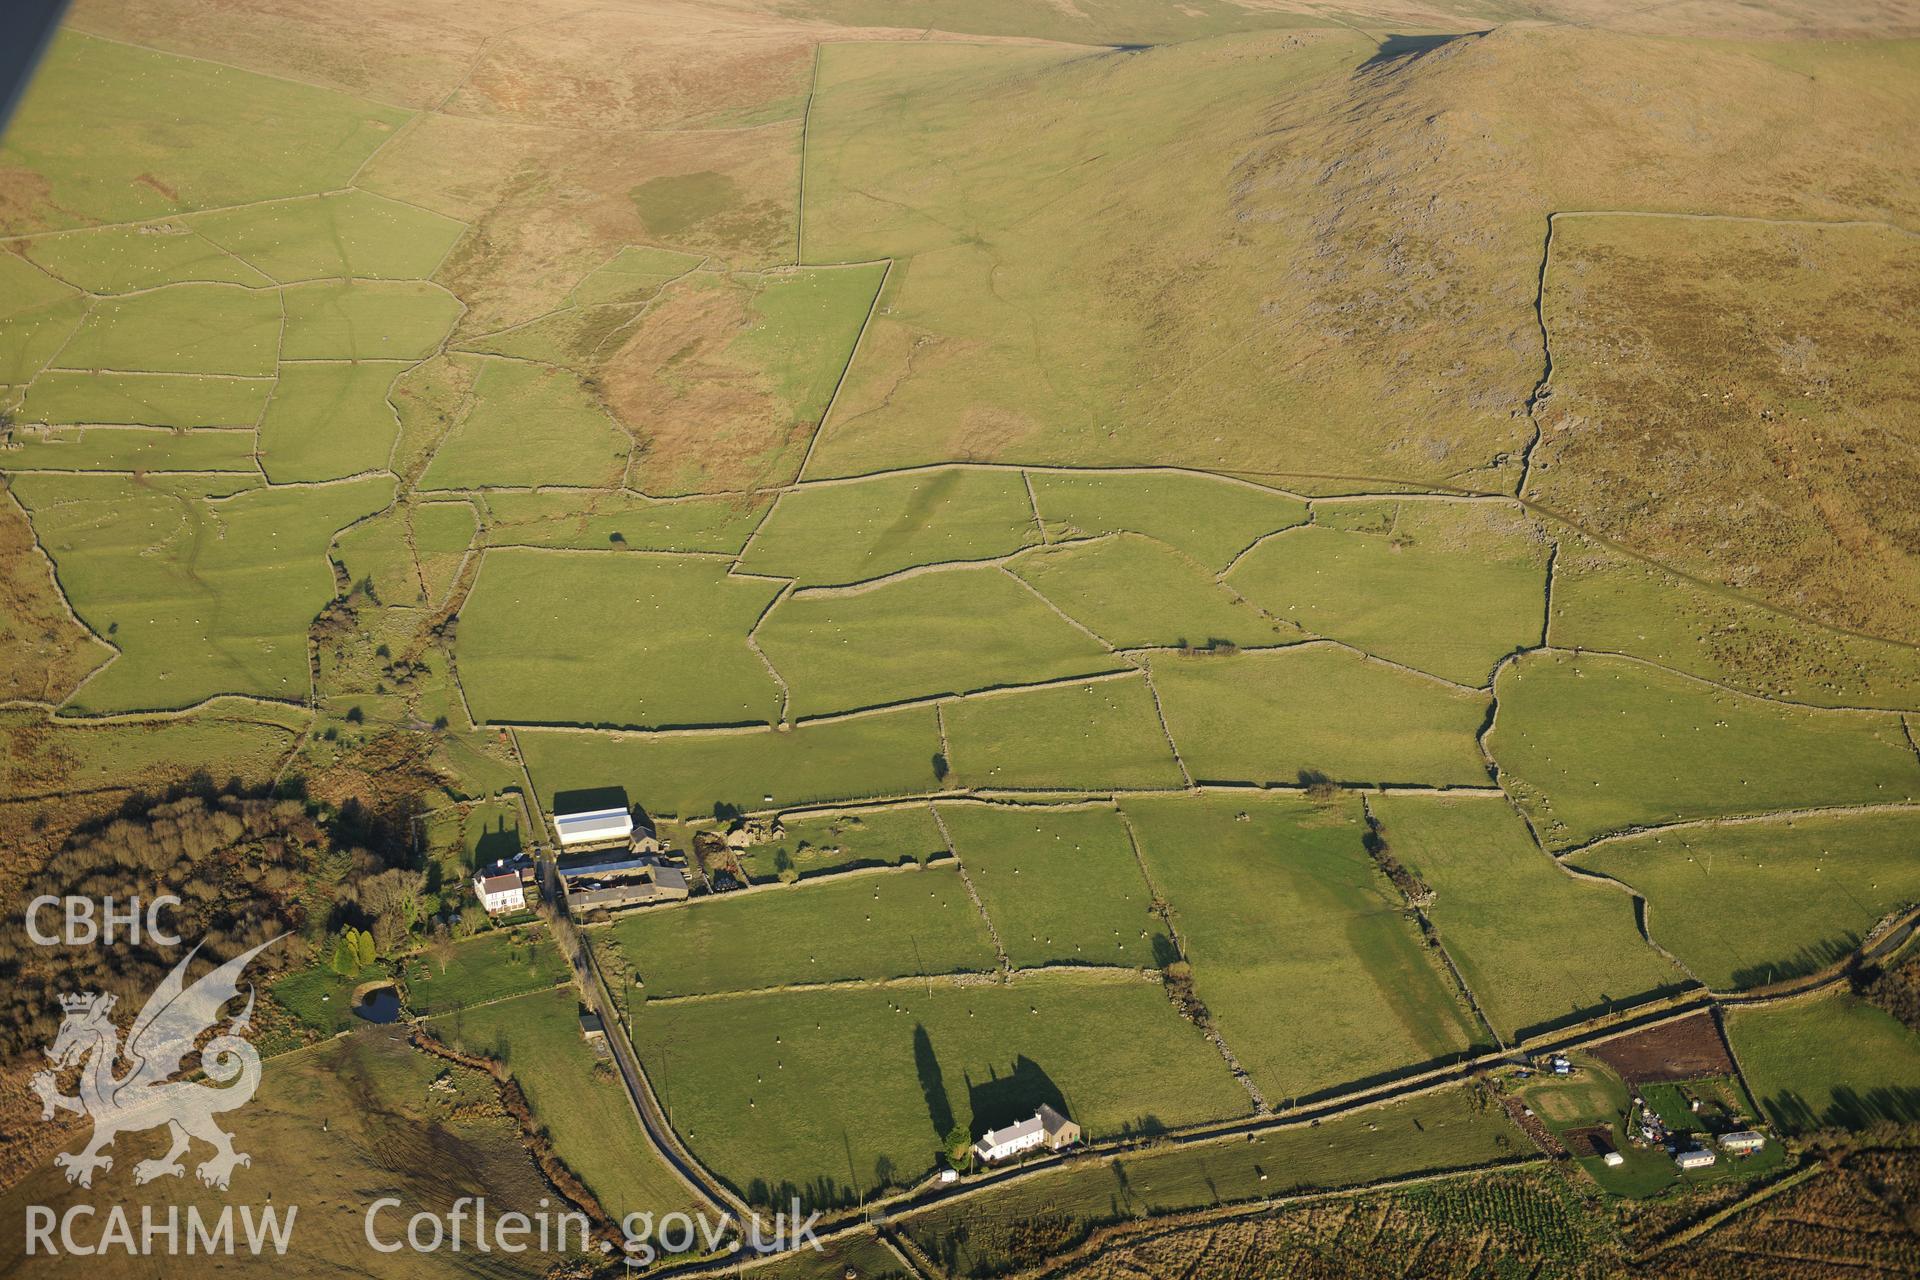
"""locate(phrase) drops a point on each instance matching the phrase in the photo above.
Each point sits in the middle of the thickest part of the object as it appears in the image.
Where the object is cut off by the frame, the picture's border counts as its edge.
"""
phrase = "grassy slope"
(947, 632)
(541, 631)
(584, 1109)
(1269, 717)
(1061, 885)
(1829, 1060)
(1135, 593)
(302, 139)
(203, 596)
(849, 533)
(747, 1078)
(1536, 946)
(1592, 745)
(1746, 905)
(871, 926)
(1300, 947)
(687, 776)
(1100, 734)
(1383, 577)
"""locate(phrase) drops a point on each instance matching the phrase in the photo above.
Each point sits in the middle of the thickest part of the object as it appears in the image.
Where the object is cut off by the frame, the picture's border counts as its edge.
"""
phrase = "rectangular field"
(746, 1078)
(695, 775)
(1828, 1061)
(1061, 886)
(945, 632)
(1104, 733)
(600, 638)
(1315, 710)
(1300, 947)
(827, 843)
(885, 924)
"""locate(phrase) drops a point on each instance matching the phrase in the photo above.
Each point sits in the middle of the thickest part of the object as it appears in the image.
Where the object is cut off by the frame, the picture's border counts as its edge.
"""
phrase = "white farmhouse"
(594, 826)
(1047, 1128)
(500, 890)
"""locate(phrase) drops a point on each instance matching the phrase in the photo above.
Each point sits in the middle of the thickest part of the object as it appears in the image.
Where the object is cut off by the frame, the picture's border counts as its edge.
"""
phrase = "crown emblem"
(80, 1001)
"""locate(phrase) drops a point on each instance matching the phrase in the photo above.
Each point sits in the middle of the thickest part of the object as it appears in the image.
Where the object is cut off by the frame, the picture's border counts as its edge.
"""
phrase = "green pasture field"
(836, 534)
(744, 1077)
(183, 328)
(328, 420)
(529, 425)
(496, 965)
(1450, 588)
(951, 631)
(1062, 886)
(1104, 733)
(332, 237)
(582, 1105)
(37, 316)
(120, 259)
(1591, 745)
(1300, 947)
(226, 739)
(1536, 946)
(147, 400)
(1603, 601)
(806, 321)
(1755, 903)
(466, 838)
(88, 127)
(596, 638)
(321, 1000)
(888, 924)
(131, 448)
(1449, 1129)
(202, 595)
(1317, 709)
(634, 274)
(594, 521)
(1211, 520)
(442, 532)
(692, 775)
(366, 320)
(1827, 1061)
(836, 842)
(1134, 593)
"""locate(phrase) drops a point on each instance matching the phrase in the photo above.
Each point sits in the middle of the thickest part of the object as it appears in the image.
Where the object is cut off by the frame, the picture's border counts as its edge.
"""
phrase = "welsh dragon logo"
(145, 1095)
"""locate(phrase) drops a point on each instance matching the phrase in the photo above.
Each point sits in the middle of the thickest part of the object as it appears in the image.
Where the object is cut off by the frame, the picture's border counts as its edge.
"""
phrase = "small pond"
(382, 1004)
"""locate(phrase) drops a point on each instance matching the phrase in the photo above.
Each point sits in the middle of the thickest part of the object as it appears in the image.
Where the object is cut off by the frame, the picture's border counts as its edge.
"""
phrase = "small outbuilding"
(1695, 1158)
